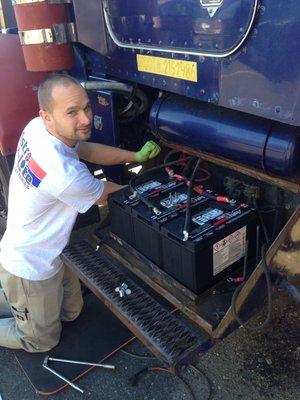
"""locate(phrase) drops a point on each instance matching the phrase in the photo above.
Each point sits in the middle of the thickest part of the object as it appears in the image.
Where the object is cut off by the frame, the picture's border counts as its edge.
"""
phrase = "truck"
(216, 83)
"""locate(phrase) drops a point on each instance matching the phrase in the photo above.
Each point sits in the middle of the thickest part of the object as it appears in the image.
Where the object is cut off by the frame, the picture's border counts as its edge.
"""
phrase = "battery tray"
(217, 238)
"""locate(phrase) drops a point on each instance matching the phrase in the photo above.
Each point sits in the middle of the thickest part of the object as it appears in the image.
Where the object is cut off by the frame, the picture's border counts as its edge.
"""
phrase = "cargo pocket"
(20, 314)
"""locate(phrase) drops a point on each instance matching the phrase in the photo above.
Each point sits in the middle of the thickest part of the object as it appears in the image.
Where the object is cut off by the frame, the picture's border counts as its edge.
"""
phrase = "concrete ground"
(242, 366)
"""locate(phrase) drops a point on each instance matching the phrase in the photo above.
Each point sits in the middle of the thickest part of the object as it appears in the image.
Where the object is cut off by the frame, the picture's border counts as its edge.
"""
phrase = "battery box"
(218, 231)
(216, 244)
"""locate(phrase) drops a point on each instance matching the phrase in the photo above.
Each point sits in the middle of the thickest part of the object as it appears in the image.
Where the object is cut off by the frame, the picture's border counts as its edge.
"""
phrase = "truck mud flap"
(169, 339)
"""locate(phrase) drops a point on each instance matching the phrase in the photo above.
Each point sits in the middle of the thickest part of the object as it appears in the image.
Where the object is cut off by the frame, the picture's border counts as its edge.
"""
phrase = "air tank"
(263, 144)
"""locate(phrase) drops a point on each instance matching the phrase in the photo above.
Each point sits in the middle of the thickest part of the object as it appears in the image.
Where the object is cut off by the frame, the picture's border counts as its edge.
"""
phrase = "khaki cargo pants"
(31, 311)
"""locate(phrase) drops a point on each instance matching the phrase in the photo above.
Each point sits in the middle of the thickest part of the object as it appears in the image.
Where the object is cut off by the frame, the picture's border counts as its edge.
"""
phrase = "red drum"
(18, 95)
(43, 30)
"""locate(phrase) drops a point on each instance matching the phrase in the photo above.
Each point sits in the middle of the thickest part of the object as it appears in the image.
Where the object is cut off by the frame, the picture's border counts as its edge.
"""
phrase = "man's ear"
(45, 116)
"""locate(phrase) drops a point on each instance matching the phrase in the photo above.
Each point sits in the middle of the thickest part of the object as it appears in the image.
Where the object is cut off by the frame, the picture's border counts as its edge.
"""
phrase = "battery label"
(148, 186)
(206, 216)
(229, 250)
(173, 199)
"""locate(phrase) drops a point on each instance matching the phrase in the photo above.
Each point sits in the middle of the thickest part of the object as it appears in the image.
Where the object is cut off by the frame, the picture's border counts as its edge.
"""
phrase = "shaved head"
(46, 88)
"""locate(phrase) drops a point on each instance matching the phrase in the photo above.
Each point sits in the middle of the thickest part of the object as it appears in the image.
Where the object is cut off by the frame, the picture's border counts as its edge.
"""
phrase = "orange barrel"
(43, 31)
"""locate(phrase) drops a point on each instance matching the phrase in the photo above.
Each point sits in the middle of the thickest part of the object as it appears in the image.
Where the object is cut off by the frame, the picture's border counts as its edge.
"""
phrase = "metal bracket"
(59, 1)
(212, 6)
(36, 36)
(58, 34)
(16, 2)
(64, 33)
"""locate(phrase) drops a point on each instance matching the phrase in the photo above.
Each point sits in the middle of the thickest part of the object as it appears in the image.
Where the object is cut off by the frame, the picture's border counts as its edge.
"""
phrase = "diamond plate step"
(161, 332)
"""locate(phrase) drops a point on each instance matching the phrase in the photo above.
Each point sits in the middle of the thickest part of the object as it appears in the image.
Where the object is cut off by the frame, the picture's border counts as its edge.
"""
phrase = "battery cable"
(187, 222)
(266, 273)
(133, 184)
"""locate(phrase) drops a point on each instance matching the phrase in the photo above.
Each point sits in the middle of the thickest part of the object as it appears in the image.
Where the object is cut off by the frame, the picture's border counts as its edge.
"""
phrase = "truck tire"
(4, 181)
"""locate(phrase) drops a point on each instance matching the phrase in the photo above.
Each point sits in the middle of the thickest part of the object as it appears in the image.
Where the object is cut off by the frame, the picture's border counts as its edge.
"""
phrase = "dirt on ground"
(263, 365)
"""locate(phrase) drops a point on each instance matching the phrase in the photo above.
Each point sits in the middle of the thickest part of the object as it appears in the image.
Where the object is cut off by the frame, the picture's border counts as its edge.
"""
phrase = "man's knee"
(40, 347)
(70, 313)
(72, 298)
(42, 340)
(5, 310)
(13, 337)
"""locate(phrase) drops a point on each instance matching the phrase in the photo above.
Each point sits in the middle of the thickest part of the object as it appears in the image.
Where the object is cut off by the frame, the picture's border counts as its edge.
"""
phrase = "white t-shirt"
(48, 187)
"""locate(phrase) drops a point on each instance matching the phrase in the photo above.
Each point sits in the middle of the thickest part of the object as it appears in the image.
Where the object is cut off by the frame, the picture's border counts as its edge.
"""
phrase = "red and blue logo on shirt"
(36, 172)
(27, 169)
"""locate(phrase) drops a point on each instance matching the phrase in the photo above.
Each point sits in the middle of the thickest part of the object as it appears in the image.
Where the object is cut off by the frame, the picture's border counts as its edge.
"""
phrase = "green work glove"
(147, 152)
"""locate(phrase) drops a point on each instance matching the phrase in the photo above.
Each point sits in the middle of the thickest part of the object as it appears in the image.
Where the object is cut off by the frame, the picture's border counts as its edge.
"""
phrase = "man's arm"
(106, 155)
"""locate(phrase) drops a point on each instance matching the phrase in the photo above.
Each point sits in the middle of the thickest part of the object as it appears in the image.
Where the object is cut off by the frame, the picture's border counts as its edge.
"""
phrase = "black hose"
(135, 379)
(171, 154)
(131, 115)
(278, 220)
(188, 167)
(263, 224)
(277, 223)
(209, 382)
(138, 356)
(269, 291)
(118, 87)
(137, 104)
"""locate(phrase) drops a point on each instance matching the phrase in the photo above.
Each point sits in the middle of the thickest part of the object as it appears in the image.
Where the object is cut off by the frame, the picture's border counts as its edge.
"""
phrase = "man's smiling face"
(69, 117)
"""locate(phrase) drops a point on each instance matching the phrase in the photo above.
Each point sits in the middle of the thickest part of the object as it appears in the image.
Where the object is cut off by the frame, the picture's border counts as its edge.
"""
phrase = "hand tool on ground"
(82, 362)
(45, 365)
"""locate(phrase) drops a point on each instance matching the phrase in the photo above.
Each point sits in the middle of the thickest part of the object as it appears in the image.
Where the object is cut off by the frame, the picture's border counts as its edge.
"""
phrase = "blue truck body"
(246, 53)
(240, 57)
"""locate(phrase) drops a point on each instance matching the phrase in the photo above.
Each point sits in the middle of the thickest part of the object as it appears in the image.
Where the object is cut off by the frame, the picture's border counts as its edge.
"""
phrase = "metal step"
(160, 331)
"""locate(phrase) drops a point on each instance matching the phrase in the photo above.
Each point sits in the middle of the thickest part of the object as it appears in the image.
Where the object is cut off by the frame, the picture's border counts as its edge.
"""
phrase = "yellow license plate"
(180, 69)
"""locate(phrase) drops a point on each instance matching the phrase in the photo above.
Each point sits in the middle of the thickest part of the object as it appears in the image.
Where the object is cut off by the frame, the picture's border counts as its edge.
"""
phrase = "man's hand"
(149, 151)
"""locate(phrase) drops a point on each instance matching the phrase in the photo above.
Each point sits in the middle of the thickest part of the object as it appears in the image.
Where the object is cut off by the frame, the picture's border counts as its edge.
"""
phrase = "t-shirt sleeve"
(83, 191)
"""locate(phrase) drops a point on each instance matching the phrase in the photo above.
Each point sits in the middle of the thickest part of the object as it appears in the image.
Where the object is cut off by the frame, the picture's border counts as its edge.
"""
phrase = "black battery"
(120, 205)
(122, 202)
(167, 205)
(216, 244)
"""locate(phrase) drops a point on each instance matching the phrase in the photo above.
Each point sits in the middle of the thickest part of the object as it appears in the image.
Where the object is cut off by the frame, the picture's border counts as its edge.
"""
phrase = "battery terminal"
(156, 211)
(133, 196)
(185, 236)
(170, 172)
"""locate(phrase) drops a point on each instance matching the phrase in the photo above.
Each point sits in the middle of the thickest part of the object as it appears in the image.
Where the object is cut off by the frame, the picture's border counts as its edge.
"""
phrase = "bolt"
(185, 236)
(277, 109)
